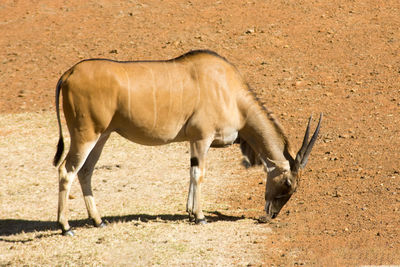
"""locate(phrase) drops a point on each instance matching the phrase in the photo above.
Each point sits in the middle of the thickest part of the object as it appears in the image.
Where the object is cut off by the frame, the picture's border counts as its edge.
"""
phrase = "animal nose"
(268, 210)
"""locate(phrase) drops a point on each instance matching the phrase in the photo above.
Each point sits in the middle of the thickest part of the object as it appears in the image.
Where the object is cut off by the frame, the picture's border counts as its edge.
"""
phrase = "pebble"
(250, 31)
(337, 194)
(298, 83)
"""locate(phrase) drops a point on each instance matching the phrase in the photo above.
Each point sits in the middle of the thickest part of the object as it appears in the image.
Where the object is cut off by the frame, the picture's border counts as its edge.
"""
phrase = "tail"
(60, 145)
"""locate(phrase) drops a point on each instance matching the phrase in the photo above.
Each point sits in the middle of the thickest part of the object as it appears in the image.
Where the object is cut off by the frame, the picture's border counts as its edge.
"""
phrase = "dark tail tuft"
(60, 150)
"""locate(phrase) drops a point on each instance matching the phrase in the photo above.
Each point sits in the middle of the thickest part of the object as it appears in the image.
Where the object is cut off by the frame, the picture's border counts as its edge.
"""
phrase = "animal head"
(282, 176)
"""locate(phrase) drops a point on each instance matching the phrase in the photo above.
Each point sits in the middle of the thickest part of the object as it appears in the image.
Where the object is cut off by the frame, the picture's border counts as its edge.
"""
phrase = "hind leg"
(68, 170)
(85, 177)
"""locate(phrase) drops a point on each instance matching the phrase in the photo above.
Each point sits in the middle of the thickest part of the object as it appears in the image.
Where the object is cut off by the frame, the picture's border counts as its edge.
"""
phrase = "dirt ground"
(341, 58)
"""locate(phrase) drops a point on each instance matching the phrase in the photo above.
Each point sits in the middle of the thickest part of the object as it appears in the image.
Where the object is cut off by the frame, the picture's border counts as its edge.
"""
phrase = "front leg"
(194, 198)
(198, 151)
(189, 204)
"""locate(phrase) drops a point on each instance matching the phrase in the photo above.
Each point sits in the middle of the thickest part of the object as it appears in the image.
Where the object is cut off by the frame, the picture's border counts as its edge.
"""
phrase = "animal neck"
(264, 134)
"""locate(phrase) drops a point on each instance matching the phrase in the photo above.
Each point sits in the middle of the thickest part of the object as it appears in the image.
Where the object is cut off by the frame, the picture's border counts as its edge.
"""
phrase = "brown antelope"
(198, 97)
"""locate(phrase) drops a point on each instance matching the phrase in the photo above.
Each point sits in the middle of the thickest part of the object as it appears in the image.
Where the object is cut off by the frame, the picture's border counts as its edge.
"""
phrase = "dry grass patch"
(140, 191)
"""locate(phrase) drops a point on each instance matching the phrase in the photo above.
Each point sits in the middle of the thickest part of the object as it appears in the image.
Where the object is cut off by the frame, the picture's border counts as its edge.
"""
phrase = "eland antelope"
(198, 97)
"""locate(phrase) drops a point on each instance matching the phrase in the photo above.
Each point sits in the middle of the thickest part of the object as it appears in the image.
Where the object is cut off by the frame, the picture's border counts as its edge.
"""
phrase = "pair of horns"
(306, 147)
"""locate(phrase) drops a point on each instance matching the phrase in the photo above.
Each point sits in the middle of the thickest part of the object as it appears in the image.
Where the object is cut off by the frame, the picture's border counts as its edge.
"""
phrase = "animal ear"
(282, 166)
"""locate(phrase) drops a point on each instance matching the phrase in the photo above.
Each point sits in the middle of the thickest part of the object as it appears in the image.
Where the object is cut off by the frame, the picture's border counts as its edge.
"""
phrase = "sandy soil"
(337, 57)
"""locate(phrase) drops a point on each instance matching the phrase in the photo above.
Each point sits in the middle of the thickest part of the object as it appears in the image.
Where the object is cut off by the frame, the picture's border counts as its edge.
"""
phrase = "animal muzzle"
(270, 211)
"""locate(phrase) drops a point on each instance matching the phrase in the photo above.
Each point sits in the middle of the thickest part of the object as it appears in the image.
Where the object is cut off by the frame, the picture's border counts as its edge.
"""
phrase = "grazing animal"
(198, 97)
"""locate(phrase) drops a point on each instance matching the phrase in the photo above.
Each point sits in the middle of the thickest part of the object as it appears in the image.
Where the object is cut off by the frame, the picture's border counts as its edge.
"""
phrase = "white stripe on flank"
(154, 99)
(181, 112)
(129, 93)
(197, 86)
(170, 85)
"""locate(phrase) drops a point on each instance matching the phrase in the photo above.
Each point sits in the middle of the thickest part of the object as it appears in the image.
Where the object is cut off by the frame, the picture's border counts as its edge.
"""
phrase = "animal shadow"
(9, 227)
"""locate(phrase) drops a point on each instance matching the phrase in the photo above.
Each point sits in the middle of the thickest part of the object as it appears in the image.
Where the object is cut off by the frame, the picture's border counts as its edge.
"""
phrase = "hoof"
(68, 232)
(101, 225)
(191, 218)
(201, 221)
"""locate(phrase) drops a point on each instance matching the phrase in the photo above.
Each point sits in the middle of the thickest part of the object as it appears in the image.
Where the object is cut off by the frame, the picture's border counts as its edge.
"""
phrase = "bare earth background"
(301, 57)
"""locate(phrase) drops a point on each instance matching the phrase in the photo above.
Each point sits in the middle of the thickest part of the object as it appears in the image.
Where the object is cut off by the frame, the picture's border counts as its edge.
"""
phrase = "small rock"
(328, 94)
(250, 31)
(100, 240)
(337, 194)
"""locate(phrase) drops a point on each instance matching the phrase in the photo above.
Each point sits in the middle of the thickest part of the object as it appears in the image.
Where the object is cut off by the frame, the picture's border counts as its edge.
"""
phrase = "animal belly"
(148, 134)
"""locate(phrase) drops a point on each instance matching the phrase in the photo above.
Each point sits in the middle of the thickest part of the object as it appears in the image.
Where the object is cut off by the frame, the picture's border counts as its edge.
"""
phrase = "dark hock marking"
(201, 221)
(194, 162)
(68, 232)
